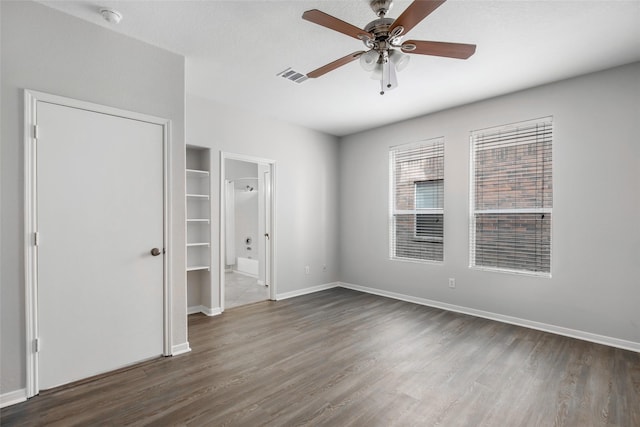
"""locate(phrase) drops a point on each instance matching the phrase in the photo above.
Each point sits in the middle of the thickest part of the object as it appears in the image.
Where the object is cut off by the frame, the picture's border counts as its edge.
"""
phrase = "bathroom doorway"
(246, 230)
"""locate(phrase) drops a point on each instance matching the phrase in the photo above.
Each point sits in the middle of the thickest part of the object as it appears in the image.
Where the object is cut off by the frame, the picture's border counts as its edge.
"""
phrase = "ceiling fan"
(383, 38)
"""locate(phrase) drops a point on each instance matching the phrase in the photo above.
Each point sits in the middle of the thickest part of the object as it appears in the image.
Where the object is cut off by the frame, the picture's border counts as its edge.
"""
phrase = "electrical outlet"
(306, 269)
(452, 282)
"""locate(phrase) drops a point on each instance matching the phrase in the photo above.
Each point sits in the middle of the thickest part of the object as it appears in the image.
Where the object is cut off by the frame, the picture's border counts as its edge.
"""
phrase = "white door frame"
(271, 242)
(31, 98)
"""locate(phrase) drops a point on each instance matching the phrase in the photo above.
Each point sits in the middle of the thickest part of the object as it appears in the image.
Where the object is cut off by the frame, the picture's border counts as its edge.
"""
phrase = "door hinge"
(36, 345)
(36, 131)
(36, 238)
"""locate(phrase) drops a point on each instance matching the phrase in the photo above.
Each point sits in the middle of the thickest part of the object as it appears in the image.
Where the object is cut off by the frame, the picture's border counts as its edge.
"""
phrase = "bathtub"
(247, 266)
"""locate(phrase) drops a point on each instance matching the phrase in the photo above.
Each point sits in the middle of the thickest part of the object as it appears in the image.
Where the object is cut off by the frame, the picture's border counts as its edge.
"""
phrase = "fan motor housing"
(379, 28)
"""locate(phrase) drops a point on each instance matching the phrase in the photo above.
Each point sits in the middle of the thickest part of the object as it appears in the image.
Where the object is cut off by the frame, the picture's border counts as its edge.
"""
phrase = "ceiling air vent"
(292, 75)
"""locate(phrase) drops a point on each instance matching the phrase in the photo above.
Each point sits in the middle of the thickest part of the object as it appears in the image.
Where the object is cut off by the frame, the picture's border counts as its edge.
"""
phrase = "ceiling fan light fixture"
(368, 60)
(399, 59)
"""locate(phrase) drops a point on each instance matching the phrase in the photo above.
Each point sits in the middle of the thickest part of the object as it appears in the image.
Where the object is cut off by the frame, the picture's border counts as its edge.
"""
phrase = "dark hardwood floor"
(340, 358)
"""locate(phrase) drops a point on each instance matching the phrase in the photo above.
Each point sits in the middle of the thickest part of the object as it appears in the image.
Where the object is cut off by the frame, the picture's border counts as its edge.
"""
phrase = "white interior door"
(266, 258)
(99, 214)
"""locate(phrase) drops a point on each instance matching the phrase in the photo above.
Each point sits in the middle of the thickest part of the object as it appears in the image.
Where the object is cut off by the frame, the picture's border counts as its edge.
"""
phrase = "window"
(417, 201)
(429, 196)
(511, 198)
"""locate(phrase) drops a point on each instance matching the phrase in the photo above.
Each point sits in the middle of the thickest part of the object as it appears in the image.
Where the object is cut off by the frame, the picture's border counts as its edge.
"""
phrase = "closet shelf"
(198, 196)
(201, 220)
(198, 267)
(195, 173)
(198, 244)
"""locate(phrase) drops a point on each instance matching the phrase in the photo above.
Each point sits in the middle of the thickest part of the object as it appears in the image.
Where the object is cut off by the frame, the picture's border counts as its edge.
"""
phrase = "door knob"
(155, 252)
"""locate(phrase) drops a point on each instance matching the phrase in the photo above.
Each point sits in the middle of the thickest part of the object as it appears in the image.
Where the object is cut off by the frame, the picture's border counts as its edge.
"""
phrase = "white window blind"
(416, 202)
(511, 197)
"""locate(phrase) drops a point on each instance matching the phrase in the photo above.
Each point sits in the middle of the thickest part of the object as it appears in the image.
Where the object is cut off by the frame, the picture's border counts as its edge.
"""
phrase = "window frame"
(547, 121)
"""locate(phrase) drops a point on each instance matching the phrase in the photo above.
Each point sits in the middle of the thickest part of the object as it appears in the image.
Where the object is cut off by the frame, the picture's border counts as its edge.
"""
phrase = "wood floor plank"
(344, 358)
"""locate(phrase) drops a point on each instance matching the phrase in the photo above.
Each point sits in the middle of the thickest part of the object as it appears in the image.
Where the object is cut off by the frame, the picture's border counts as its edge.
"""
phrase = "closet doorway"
(246, 230)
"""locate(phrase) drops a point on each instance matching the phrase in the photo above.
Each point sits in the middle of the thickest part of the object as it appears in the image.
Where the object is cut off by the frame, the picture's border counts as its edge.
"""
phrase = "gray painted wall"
(306, 186)
(596, 236)
(46, 50)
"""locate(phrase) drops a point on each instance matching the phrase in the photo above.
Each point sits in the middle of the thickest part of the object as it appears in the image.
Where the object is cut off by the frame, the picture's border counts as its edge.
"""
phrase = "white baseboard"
(210, 311)
(13, 397)
(305, 291)
(180, 349)
(194, 309)
(558, 330)
(244, 273)
(204, 310)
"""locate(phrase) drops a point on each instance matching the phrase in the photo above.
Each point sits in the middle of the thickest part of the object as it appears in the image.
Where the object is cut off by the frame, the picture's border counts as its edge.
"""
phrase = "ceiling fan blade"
(416, 12)
(333, 23)
(335, 64)
(450, 50)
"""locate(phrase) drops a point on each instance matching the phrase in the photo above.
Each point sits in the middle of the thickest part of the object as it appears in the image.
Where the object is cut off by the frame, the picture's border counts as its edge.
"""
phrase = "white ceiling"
(234, 50)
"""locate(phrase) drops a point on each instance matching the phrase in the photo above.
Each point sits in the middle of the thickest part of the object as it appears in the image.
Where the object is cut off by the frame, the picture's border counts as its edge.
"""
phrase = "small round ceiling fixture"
(111, 15)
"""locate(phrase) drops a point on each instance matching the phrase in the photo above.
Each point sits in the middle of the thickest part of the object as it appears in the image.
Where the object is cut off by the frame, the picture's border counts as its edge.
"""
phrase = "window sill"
(509, 271)
(417, 261)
